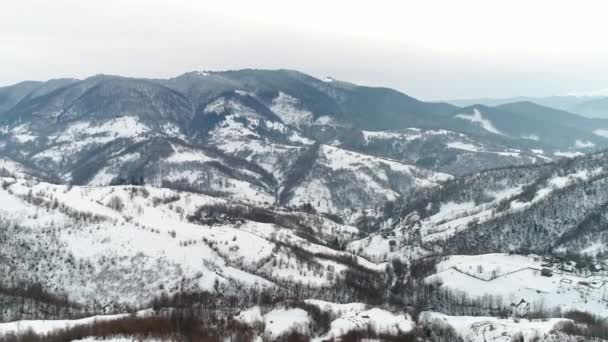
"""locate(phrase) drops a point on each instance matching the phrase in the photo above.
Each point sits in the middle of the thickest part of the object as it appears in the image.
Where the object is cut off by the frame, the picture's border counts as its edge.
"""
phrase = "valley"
(272, 205)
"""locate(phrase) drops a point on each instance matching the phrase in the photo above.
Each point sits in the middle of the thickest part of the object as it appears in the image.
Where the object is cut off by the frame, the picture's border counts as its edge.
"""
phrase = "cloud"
(429, 49)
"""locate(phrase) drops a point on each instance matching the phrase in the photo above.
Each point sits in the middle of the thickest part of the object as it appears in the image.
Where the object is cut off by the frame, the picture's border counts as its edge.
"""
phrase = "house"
(520, 309)
(545, 272)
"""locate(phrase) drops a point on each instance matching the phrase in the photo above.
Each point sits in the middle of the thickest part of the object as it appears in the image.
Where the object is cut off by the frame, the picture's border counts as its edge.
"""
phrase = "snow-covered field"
(514, 278)
(486, 329)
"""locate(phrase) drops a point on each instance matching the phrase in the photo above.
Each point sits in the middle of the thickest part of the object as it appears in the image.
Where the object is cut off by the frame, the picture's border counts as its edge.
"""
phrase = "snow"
(372, 174)
(325, 120)
(559, 182)
(346, 317)
(183, 155)
(583, 144)
(315, 191)
(371, 135)
(407, 134)
(103, 177)
(537, 151)
(508, 154)
(377, 320)
(531, 137)
(337, 309)
(477, 117)
(108, 173)
(454, 216)
(568, 154)
(244, 93)
(12, 167)
(139, 239)
(122, 127)
(602, 132)
(172, 130)
(279, 322)
(514, 277)
(482, 329)
(231, 106)
(463, 146)
(328, 79)
(493, 265)
(250, 316)
(288, 108)
(451, 208)
(118, 339)
(22, 134)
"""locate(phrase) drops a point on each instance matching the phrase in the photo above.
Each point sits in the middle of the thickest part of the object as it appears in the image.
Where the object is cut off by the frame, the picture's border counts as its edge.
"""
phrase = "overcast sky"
(428, 49)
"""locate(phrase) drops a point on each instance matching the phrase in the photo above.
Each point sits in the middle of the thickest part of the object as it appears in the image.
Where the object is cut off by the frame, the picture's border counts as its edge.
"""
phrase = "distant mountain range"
(592, 105)
(268, 136)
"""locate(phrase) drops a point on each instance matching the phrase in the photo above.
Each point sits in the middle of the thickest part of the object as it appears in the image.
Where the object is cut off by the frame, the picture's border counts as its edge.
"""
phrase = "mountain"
(596, 107)
(565, 102)
(230, 134)
(249, 203)
(591, 105)
(9, 96)
(549, 208)
(579, 126)
(267, 137)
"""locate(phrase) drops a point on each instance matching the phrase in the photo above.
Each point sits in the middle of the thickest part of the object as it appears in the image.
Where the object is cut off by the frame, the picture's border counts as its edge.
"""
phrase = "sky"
(433, 50)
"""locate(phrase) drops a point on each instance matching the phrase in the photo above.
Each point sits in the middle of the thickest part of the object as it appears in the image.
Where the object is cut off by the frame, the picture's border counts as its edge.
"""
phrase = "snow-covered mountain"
(58, 124)
(549, 208)
(269, 197)
(233, 134)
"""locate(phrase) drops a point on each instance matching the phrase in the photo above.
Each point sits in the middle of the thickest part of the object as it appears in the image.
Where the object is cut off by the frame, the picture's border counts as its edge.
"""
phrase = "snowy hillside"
(534, 208)
(447, 151)
(518, 280)
(83, 239)
(480, 329)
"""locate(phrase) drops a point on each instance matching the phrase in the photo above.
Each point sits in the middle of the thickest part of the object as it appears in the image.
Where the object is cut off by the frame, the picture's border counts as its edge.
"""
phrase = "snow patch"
(279, 322)
(568, 154)
(583, 144)
(288, 108)
(463, 146)
(601, 132)
(477, 118)
(531, 137)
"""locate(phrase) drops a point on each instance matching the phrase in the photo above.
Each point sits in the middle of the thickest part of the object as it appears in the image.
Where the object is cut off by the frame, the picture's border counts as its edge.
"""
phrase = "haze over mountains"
(297, 205)
(589, 104)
